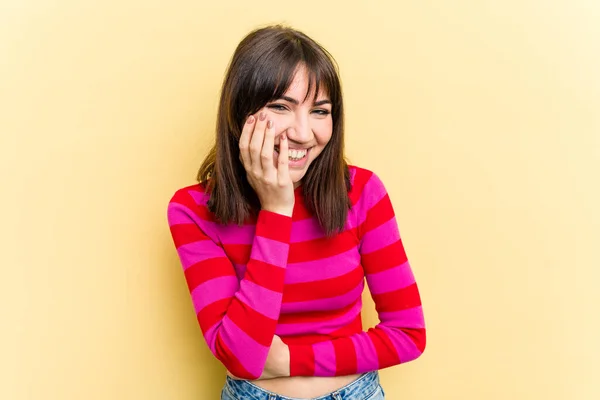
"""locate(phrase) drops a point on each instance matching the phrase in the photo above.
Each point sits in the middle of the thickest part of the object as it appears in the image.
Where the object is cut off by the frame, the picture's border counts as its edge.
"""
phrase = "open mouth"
(295, 154)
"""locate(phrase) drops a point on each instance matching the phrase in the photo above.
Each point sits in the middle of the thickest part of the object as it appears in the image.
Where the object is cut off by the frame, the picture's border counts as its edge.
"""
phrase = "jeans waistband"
(356, 390)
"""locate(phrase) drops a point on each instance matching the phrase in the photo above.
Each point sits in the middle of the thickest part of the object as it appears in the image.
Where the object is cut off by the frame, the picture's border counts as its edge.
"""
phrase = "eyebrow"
(296, 102)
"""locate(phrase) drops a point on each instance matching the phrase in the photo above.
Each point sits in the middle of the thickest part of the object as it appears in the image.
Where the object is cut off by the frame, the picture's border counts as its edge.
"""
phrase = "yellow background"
(482, 118)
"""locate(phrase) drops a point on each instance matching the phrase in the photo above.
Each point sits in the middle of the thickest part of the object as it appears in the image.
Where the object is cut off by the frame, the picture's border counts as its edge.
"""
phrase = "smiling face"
(306, 119)
(272, 70)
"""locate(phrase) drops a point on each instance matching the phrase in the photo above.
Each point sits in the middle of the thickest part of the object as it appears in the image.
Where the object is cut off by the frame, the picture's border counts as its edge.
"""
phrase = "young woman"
(279, 235)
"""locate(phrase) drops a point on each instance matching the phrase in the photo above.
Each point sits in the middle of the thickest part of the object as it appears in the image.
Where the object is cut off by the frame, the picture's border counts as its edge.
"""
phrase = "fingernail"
(270, 124)
(251, 119)
(283, 136)
(262, 116)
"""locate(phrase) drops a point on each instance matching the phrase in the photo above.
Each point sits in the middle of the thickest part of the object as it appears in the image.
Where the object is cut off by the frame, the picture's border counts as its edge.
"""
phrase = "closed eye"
(277, 107)
(322, 112)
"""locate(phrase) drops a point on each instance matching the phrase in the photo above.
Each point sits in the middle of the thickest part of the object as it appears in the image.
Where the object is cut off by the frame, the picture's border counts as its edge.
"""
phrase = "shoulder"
(192, 199)
(197, 191)
(364, 184)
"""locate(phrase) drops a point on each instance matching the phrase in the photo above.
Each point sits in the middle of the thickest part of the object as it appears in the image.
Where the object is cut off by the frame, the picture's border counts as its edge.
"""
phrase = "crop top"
(280, 275)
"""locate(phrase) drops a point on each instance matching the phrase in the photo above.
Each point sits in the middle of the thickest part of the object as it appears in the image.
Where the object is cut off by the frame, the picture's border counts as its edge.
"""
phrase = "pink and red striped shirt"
(279, 275)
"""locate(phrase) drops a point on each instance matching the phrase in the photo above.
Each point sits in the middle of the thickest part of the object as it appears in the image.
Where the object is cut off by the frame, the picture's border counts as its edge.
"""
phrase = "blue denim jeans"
(366, 387)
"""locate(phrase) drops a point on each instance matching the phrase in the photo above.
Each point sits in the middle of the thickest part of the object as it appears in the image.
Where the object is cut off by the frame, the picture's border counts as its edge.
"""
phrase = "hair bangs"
(272, 76)
(322, 76)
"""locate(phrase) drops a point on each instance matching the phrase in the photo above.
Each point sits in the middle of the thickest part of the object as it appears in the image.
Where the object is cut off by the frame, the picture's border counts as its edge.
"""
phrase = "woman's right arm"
(237, 318)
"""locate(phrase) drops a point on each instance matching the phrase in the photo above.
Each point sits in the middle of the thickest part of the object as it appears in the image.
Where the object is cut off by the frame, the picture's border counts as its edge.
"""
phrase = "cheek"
(281, 122)
(323, 131)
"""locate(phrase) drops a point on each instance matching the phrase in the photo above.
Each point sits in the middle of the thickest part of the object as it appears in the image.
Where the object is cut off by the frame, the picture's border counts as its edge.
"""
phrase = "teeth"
(297, 154)
(294, 154)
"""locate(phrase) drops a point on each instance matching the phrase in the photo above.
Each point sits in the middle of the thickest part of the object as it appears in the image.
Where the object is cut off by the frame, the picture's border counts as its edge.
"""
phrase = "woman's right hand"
(277, 364)
(273, 186)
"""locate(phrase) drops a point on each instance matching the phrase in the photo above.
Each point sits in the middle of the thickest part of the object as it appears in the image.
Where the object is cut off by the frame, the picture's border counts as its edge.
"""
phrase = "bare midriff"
(304, 386)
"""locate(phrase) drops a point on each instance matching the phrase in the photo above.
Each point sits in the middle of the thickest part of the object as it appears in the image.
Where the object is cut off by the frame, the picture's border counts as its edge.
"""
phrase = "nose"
(300, 131)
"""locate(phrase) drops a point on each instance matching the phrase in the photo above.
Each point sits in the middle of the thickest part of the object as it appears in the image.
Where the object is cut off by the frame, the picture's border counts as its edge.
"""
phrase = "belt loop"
(272, 396)
(336, 396)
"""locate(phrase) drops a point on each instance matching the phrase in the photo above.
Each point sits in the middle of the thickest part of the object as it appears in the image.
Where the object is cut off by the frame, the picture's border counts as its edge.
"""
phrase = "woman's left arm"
(400, 335)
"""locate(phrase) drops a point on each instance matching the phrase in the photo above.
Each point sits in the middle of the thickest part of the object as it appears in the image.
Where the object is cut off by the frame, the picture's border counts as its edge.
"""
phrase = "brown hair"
(261, 70)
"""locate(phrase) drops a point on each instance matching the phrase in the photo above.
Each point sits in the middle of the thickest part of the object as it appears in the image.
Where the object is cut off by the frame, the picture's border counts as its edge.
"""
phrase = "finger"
(245, 141)
(257, 139)
(283, 171)
(266, 155)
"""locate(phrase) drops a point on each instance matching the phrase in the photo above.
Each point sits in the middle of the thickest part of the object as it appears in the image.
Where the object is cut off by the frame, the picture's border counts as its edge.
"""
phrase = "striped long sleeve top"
(279, 275)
